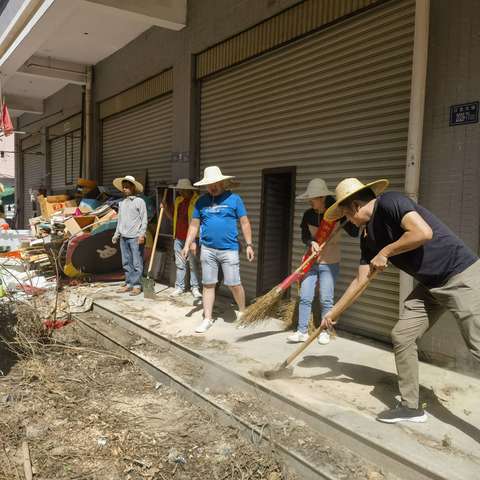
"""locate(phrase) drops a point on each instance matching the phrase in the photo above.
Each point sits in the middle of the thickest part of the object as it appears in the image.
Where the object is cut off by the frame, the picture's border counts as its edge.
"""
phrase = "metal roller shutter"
(335, 105)
(57, 164)
(73, 158)
(139, 139)
(65, 161)
(32, 178)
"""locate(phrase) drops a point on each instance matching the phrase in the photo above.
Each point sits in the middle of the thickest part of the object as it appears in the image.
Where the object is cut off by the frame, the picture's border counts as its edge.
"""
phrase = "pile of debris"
(68, 237)
(71, 410)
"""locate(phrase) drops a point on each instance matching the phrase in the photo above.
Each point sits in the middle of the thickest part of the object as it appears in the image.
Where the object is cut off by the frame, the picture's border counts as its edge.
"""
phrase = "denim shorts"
(211, 258)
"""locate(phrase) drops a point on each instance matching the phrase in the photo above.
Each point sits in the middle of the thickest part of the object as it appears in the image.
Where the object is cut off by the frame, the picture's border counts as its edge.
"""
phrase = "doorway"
(276, 225)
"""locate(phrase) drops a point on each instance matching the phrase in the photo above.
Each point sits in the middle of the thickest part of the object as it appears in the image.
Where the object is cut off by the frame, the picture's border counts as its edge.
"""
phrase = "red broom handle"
(307, 264)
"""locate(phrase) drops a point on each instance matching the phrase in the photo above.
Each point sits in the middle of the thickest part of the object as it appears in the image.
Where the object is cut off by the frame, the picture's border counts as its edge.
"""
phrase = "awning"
(8, 195)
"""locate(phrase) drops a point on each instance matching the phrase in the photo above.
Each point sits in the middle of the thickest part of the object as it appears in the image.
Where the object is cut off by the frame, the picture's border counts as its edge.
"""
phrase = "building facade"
(274, 92)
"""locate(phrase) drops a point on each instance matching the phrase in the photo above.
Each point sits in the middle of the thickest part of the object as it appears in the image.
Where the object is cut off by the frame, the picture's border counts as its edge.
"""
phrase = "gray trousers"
(460, 295)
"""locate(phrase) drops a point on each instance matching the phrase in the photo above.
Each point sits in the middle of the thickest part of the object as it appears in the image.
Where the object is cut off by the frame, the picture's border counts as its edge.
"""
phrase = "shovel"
(149, 283)
(335, 313)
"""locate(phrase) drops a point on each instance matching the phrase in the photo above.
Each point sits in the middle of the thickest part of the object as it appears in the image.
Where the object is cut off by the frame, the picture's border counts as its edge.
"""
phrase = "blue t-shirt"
(218, 220)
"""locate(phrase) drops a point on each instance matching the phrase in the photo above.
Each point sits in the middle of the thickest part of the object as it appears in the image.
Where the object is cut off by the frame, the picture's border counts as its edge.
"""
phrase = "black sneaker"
(403, 414)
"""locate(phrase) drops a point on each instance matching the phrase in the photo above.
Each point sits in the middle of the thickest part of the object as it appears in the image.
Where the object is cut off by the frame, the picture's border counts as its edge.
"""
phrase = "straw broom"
(268, 304)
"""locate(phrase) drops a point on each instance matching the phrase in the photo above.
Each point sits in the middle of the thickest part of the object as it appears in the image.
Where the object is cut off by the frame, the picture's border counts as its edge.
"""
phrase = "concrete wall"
(63, 104)
(450, 176)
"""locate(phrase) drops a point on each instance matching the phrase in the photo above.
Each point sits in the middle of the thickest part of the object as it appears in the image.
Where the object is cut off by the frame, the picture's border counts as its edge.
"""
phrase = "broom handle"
(335, 232)
(337, 310)
(157, 232)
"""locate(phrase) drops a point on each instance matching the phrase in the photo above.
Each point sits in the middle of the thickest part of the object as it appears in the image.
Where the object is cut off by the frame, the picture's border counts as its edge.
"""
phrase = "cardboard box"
(57, 198)
(48, 209)
(74, 225)
(111, 215)
(67, 211)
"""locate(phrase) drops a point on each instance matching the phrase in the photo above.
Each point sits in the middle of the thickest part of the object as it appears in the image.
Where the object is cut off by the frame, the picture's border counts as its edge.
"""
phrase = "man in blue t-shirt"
(394, 228)
(216, 215)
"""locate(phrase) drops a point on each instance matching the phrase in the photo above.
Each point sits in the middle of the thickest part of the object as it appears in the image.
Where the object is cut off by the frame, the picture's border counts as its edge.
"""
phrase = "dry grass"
(90, 415)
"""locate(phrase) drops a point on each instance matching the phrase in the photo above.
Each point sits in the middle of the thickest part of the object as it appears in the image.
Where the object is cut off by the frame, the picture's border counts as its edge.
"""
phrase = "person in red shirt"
(181, 214)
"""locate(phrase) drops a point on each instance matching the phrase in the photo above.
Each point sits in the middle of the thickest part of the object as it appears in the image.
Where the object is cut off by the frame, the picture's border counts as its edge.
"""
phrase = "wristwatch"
(250, 245)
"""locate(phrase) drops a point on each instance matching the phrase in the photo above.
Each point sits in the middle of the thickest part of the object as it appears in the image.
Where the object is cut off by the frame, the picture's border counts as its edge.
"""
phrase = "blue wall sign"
(464, 113)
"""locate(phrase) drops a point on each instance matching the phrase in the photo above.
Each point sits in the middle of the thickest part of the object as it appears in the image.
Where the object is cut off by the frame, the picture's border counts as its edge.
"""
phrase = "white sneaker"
(238, 318)
(176, 293)
(204, 326)
(298, 337)
(324, 337)
(196, 293)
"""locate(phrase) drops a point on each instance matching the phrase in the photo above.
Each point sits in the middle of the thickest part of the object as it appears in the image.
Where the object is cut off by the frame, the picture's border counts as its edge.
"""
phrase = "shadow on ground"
(384, 388)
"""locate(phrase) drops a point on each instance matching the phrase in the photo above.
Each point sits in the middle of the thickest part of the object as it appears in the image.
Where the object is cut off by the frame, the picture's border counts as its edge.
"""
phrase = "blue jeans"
(181, 265)
(327, 276)
(132, 261)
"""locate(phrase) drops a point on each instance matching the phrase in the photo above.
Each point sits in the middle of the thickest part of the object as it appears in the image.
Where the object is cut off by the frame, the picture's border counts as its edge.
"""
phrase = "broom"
(266, 305)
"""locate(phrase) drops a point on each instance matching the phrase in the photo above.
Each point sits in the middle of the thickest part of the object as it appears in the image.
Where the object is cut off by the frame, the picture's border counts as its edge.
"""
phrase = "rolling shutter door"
(65, 161)
(72, 167)
(32, 179)
(139, 139)
(57, 164)
(335, 105)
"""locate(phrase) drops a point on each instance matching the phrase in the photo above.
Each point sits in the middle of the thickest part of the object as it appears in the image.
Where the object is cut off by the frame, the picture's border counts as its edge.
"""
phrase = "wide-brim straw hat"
(348, 187)
(183, 184)
(316, 188)
(212, 175)
(117, 183)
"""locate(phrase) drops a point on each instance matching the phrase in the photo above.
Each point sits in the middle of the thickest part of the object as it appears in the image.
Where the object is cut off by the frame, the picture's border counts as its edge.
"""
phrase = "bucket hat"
(349, 187)
(183, 184)
(212, 175)
(316, 188)
(117, 183)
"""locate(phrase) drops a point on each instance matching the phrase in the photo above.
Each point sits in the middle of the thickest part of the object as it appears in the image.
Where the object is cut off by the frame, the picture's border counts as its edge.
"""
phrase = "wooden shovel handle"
(342, 305)
(150, 264)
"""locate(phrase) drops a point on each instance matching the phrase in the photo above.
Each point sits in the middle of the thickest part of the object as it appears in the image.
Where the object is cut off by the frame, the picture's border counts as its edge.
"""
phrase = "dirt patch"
(87, 414)
(201, 343)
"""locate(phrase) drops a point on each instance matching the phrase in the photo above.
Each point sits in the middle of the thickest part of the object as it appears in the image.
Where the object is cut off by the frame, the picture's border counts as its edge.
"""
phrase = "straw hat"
(183, 184)
(212, 175)
(316, 188)
(117, 183)
(348, 187)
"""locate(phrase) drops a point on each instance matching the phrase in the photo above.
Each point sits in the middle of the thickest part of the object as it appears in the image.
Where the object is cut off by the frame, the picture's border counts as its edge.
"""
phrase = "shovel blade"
(149, 288)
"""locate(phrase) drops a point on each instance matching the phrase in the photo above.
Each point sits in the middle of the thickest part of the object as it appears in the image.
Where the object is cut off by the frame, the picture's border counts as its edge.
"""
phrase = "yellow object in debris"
(70, 271)
(85, 182)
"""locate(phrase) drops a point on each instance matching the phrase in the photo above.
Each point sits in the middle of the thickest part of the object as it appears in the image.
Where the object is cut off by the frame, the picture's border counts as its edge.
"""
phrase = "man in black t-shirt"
(398, 230)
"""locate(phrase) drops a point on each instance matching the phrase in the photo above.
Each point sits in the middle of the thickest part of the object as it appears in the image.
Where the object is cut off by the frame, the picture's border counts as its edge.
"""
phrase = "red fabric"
(55, 325)
(182, 221)
(6, 122)
(323, 233)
